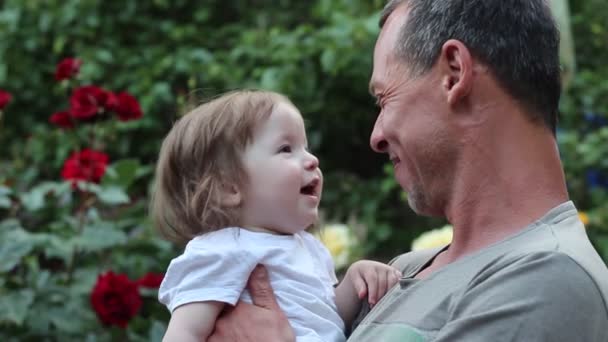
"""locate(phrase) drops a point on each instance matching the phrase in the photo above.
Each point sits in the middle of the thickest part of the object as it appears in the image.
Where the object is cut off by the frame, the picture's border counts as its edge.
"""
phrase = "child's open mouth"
(310, 189)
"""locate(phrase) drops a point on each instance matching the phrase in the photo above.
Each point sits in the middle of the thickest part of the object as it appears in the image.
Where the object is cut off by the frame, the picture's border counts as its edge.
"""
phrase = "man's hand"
(262, 321)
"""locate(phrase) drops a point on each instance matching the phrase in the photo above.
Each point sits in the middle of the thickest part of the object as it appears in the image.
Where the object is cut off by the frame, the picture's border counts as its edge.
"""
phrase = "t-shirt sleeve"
(539, 297)
(206, 272)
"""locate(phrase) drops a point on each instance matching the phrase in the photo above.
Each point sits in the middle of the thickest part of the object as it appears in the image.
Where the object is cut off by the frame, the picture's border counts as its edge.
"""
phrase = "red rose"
(111, 101)
(115, 299)
(126, 107)
(152, 280)
(86, 102)
(67, 68)
(87, 165)
(5, 98)
(62, 119)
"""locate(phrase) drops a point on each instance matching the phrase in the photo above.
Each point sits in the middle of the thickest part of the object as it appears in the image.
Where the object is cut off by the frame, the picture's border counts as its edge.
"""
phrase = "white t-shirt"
(216, 266)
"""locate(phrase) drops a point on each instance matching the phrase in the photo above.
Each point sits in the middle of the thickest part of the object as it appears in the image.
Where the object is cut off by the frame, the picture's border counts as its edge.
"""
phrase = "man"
(468, 94)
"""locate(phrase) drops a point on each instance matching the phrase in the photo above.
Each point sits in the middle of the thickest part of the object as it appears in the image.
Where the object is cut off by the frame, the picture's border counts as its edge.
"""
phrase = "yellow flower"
(584, 217)
(433, 238)
(339, 240)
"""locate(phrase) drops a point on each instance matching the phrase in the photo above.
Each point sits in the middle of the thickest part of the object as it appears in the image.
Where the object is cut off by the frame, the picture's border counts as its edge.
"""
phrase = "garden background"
(83, 262)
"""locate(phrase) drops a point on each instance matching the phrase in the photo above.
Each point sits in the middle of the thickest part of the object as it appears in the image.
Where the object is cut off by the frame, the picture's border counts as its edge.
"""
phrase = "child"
(235, 179)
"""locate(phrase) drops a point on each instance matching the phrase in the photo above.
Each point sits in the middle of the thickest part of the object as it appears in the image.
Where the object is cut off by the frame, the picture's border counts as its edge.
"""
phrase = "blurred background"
(82, 262)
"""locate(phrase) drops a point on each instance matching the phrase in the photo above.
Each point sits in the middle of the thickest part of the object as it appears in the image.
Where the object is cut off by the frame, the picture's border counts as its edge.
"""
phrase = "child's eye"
(285, 149)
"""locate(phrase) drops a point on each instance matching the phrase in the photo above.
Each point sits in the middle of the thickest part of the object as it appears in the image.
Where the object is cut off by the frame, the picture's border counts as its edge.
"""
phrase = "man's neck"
(503, 189)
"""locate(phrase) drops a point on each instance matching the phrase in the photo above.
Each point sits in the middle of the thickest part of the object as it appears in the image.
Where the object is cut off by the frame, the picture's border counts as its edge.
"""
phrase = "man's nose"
(377, 141)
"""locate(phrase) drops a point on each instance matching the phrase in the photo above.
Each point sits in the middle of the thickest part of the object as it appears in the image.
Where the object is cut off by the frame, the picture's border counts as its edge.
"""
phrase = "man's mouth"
(311, 188)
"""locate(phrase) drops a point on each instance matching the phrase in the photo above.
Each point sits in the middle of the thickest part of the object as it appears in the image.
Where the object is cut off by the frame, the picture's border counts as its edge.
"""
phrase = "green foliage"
(584, 120)
(55, 241)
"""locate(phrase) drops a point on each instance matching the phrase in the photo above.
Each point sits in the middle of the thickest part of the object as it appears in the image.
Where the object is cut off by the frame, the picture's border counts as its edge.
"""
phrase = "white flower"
(433, 238)
(340, 241)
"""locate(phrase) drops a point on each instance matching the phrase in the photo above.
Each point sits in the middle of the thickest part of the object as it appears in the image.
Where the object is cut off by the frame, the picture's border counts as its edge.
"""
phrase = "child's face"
(285, 181)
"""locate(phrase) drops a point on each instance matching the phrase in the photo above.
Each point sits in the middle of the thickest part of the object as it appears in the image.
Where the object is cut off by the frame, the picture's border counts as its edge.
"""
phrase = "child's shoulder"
(224, 239)
(227, 235)
(217, 247)
(235, 239)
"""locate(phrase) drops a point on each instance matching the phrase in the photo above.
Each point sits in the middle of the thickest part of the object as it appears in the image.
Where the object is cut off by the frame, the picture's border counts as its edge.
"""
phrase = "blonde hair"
(200, 157)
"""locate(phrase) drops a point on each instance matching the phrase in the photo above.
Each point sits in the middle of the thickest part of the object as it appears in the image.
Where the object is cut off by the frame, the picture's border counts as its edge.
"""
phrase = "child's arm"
(363, 278)
(193, 321)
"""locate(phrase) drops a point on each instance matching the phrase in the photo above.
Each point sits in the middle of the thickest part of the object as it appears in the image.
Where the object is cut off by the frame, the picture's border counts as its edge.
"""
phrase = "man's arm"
(262, 321)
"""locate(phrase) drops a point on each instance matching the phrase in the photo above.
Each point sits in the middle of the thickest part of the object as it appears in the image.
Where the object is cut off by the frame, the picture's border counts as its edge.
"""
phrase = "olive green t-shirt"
(546, 283)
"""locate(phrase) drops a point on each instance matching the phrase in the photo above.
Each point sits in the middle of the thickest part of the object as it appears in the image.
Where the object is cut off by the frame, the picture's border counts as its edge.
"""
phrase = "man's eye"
(285, 149)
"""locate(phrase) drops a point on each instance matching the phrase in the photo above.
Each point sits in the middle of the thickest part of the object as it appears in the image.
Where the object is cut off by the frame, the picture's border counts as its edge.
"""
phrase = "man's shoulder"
(566, 243)
(554, 243)
(410, 262)
(547, 281)
(551, 264)
(542, 276)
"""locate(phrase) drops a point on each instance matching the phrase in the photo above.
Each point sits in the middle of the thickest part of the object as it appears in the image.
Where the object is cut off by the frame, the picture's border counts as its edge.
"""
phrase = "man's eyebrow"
(372, 91)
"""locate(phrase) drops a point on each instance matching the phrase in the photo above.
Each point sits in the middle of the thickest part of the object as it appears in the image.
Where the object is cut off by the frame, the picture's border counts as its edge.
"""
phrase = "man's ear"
(231, 195)
(457, 71)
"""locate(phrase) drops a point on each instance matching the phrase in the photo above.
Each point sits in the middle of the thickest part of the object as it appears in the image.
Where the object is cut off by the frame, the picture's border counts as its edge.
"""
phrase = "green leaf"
(5, 202)
(5, 191)
(121, 173)
(14, 245)
(83, 280)
(113, 195)
(14, 306)
(63, 317)
(98, 236)
(328, 60)
(55, 246)
(42, 279)
(270, 79)
(9, 224)
(601, 243)
(156, 332)
(35, 198)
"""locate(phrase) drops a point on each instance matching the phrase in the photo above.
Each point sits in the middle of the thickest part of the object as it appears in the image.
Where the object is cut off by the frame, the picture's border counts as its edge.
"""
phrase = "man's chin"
(420, 206)
(414, 205)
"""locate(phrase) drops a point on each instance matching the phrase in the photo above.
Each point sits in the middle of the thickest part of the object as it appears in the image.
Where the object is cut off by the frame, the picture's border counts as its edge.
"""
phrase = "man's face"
(412, 126)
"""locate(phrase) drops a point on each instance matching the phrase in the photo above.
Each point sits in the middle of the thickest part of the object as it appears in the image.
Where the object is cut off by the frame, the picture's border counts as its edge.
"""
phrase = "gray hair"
(516, 39)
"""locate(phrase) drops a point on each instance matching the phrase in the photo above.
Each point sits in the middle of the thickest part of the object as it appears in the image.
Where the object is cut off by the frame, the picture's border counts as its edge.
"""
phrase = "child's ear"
(231, 196)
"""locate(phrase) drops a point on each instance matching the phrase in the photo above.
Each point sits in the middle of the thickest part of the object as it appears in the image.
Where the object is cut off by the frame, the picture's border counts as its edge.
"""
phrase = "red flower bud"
(86, 165)
(86, 102)
(67, 68)
(126, 107)
(62, 119)
(115, 299)
(151, 280)
(5, 98)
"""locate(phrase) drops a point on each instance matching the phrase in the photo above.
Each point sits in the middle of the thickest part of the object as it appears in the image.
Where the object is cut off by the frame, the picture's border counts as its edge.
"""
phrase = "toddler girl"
(236, 181)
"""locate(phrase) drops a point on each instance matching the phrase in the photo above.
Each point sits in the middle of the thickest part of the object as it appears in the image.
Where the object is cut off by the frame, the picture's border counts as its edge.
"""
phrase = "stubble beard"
(422, 204)
(417, 200)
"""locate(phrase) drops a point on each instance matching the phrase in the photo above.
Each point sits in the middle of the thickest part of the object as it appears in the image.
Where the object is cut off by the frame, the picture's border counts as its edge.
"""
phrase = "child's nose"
(311, 162)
